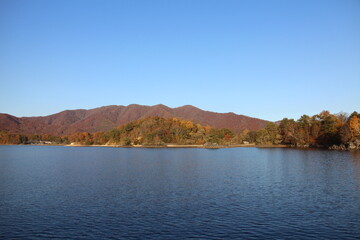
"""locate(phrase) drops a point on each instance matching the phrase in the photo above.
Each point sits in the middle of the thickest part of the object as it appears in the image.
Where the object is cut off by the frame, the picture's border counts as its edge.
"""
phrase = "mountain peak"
(187, 106)
(160, 106)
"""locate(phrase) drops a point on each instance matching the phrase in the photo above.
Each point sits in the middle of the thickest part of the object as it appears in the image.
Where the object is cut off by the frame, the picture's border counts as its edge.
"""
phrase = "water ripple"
(247, 193)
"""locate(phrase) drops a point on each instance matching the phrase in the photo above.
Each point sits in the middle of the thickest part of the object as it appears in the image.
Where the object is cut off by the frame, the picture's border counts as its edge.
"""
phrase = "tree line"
(321, 130)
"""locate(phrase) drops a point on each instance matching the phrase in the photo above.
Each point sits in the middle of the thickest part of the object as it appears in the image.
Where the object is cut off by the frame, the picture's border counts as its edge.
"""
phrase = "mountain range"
(109, 117)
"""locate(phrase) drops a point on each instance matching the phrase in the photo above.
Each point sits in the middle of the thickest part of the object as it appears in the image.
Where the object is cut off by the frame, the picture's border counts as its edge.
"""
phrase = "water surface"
(126, 193)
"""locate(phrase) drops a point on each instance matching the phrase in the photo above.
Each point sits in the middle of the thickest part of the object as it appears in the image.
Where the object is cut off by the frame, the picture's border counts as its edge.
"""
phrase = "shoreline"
(166, 146)
(187, 146)
(159, 146)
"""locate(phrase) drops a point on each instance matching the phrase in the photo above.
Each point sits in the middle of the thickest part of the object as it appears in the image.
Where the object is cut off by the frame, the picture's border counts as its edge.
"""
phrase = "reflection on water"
(356, 155)
(96, 193)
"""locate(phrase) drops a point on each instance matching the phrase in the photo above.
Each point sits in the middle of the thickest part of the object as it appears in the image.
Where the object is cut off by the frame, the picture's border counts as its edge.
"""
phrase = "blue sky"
(266, 59)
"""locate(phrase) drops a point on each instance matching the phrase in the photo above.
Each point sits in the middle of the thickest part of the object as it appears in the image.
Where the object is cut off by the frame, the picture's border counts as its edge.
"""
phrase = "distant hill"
(109, 117)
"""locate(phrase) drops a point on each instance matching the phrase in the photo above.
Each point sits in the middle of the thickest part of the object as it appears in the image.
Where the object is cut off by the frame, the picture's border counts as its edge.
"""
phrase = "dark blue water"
(118, 193)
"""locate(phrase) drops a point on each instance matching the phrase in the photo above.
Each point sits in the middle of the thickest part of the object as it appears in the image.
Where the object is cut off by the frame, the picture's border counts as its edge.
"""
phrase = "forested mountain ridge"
(109, 117)
(334, 131)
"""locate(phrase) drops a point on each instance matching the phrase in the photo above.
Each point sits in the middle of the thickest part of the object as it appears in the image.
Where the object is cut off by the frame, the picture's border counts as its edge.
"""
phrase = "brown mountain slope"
(109, 117)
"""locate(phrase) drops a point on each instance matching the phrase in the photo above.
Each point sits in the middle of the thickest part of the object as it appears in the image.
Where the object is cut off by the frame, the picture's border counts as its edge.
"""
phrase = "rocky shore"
(346, 147)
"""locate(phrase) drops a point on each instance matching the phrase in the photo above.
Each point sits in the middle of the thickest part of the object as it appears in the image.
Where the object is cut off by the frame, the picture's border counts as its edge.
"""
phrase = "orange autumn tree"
(354, 124)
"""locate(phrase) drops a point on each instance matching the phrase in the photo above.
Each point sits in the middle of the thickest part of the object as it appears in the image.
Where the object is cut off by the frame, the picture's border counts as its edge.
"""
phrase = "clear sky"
(261, 58)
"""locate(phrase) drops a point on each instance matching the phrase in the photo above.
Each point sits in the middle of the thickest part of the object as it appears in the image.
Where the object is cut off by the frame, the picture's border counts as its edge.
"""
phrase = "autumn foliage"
(146, 131)
(321, 130)
(156, 131)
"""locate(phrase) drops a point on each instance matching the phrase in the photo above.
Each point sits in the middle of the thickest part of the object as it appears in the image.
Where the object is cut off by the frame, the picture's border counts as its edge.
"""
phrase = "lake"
(131, 193)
